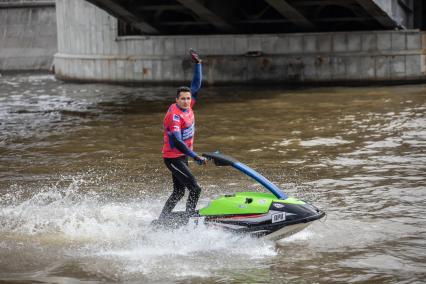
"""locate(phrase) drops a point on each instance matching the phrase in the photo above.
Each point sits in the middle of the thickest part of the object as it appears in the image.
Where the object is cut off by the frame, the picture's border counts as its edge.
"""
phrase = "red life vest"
(180, 120)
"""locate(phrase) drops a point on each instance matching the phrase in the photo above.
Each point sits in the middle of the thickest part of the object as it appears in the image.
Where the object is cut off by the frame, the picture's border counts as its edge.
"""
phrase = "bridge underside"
(172, 17)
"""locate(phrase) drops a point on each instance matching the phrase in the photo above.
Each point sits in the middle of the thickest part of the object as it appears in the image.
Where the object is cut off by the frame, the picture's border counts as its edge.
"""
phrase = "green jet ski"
(270, 215)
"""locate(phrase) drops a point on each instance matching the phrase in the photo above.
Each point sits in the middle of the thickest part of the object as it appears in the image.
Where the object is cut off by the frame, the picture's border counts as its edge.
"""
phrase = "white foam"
(14, 84)
(284, 142)
(119, 233)
(342, 161)
(324, 142)
(295, 161)
(300, 236)
(387, 143)
(37, 78)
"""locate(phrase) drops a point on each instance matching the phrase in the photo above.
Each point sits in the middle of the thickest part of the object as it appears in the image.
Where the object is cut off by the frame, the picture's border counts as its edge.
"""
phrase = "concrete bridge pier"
(27, 35)
(90, 49)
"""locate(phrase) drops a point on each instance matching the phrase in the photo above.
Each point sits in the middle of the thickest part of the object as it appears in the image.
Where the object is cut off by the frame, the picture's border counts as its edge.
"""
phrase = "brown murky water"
(81, 177)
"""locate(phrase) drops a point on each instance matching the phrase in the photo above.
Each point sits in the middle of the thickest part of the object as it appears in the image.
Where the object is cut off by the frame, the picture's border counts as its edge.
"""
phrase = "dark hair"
(182, 89)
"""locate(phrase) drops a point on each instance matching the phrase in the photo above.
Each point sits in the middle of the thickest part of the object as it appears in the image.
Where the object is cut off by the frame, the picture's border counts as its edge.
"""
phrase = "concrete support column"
(27, 35)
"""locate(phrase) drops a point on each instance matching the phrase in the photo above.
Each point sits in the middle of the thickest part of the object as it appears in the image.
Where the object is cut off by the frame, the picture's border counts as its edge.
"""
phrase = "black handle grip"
(219, 159)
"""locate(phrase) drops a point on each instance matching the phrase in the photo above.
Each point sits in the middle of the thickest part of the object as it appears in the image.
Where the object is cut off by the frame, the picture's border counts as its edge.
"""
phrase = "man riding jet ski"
(271, 215)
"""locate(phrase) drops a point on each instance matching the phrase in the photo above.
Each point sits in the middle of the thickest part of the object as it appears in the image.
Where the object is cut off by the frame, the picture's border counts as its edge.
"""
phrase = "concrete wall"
(27, 35)
(89, 49)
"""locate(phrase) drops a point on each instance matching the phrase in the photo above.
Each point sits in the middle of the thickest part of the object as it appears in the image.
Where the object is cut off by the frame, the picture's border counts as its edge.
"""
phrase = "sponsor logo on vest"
(188, 132)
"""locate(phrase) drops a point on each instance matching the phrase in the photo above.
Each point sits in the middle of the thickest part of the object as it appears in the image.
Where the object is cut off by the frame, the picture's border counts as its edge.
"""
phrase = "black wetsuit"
(182, 177)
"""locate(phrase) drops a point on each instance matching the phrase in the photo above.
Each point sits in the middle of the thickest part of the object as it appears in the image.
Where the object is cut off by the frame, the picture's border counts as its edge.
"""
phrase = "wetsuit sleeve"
(181, 146)
(196, 81)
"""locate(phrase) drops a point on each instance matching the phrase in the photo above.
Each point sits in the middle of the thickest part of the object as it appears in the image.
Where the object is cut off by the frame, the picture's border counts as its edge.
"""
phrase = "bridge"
(183, 17)
(244, 41)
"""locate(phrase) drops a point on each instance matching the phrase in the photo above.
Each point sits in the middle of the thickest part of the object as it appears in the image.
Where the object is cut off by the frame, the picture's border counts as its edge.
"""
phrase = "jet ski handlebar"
(224, 160)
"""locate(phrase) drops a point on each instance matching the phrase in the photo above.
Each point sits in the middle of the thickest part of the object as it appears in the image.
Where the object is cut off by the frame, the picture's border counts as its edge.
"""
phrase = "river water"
(81, 177)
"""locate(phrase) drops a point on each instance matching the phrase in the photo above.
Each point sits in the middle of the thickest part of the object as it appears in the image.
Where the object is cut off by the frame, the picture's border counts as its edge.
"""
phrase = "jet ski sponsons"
(271, 215)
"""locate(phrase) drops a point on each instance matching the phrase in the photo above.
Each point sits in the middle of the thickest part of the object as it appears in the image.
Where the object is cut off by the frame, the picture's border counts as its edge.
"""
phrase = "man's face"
(184, 100)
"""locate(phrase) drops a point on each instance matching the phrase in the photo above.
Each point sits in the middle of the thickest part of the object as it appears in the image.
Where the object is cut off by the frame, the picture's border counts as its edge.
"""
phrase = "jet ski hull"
(255, 225)
(263, 225)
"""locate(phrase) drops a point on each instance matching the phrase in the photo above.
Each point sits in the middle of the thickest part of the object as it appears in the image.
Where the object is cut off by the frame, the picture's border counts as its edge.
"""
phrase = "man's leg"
(178, 189)
(177, 194)
(182, 172)
(193, 187)
(194, 195)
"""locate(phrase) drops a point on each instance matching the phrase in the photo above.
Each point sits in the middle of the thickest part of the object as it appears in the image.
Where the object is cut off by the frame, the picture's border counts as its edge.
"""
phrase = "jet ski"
(271, 215)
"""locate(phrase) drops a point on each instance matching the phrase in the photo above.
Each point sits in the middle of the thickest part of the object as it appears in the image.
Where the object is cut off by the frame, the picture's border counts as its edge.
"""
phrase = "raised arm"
(198, 75)
(196, 80)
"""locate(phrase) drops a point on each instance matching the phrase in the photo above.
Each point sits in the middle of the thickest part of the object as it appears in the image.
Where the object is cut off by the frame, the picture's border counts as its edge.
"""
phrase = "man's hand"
(194, 55)
(200, 160)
